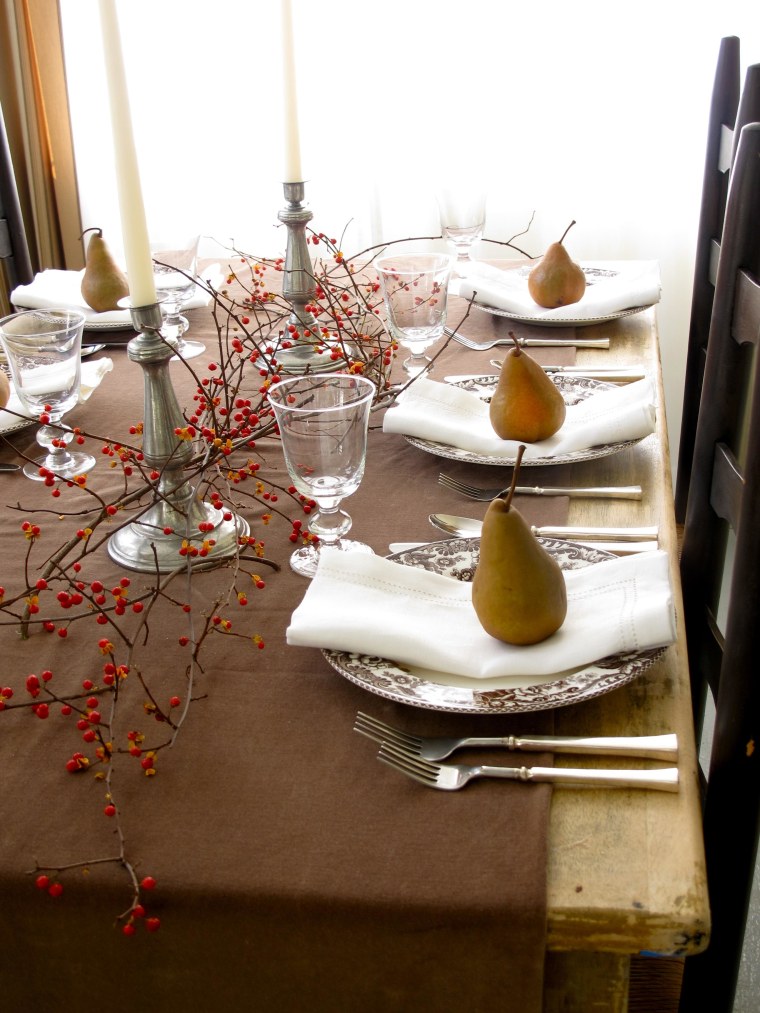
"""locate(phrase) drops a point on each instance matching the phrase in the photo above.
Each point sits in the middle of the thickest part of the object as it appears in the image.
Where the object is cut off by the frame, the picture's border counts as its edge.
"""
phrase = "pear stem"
(93, 228)
(516, 350)
(515, 475)
(566, 232)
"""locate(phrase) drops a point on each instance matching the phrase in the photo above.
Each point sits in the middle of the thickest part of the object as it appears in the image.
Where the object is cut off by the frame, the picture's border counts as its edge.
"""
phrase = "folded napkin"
(635, 283)
(458, 418)
(370, 605)
(91, 377)
(63, 288)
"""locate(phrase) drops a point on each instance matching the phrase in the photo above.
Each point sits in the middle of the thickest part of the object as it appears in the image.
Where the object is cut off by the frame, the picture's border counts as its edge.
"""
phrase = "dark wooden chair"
(731, 108)
(720, 568)
(15, 263)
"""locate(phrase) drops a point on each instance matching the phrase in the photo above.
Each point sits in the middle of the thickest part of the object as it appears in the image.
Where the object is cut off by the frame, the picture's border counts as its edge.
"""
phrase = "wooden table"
(660, 905)
(624, 877)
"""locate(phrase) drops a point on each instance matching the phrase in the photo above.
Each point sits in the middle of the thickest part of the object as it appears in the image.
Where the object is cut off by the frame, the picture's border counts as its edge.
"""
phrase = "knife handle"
(568, 343)
(611, 492)
(653, 747)
(599, 534)
(664, 779)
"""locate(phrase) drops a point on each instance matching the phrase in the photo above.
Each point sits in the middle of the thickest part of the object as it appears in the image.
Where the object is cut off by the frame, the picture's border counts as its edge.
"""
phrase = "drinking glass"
(323, 426)
(415, 287)
(462, 212)
(174, 268)
(43, 348)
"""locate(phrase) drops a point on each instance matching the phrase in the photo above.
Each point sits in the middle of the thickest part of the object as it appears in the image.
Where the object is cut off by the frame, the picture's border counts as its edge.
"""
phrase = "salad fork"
(655, 747)
(476, 492)
(453, 776)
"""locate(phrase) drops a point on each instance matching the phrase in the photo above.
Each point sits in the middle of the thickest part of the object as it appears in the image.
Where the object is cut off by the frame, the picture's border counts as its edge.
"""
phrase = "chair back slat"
(727, 486)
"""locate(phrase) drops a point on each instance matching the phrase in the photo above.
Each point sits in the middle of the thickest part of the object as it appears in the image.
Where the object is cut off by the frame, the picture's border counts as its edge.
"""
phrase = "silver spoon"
(7, 466)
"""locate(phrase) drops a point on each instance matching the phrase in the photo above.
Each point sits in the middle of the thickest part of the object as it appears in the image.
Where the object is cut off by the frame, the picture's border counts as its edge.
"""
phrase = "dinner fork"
(655, 747)
(452, 776)
(486, 495)
(483, 346)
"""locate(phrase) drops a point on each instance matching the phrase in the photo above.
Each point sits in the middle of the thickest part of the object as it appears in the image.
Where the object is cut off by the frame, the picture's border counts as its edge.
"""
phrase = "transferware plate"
(457, 558)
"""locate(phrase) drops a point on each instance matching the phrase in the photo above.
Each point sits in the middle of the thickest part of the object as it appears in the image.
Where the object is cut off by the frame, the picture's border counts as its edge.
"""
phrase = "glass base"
(416, 365)
(304, 561)
(188, 350)
(67, 466)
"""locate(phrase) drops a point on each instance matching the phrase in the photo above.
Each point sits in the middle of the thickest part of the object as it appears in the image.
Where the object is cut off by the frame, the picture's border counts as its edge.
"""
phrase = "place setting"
(557, 291)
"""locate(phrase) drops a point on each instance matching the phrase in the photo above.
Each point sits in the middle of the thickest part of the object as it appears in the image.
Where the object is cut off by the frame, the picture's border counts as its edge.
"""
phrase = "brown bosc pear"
(557, 280)
(518, 591)
(526, 405)
(103, 281)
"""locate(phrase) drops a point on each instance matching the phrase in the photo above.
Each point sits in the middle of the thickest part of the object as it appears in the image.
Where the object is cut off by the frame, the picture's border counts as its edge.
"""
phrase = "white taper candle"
(142, 289)
(293, 173)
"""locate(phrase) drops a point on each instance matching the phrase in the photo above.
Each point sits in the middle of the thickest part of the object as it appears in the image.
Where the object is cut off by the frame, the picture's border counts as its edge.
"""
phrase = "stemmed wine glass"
(43, 348)
(174, 267)
(415, 289)
(323, 426)
(462, 213)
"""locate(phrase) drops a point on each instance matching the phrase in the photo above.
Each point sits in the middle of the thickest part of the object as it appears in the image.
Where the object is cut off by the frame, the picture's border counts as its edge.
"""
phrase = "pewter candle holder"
(144, 544)
(299, 288)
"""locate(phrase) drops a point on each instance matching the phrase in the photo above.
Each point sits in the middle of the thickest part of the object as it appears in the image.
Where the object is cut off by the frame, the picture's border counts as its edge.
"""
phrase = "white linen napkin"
(458, 418)
(635, 283)
(370, 605)
(91, 378)
(64, 288)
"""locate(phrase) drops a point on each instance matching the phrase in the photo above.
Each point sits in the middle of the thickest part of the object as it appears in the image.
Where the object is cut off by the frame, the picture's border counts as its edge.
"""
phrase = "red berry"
(148, 883)
(110, 810)
(55, 889)
(128, 929)
(152, 924)
(42, 882)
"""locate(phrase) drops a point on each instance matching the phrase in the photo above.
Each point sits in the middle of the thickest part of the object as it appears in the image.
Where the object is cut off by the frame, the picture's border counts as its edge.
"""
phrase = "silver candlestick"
(153, 542)
(299, 287)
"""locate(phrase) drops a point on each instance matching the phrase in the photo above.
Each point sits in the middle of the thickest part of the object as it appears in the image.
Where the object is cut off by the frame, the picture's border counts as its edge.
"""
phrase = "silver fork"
(452, 776)
(655, 747)
(483, 346)
(486, 495)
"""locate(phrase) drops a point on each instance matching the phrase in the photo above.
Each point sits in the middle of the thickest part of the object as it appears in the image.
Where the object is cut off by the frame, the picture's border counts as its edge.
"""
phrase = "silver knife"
(623, 374)
(471, 526)
(541, 342)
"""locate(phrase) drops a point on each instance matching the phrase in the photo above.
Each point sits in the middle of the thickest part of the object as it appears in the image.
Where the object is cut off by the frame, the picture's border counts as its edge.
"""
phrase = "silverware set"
(418, 758)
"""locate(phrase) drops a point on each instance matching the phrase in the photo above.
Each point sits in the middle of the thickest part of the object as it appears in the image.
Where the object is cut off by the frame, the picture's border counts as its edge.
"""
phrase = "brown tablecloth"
(295, 872)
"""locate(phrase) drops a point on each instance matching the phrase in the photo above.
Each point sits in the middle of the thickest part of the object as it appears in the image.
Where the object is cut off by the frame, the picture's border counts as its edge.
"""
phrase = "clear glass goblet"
(323, 427)
(415, 289)
(462, 212)
(43, 348)
(174, 269)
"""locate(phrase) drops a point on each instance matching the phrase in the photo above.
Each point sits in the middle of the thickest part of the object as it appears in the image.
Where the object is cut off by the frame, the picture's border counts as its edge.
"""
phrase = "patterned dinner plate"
(573, 389)
(457, 558)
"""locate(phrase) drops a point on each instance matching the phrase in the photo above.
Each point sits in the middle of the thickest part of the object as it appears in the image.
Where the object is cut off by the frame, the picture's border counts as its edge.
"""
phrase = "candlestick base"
(179, 527)
(299, 287)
